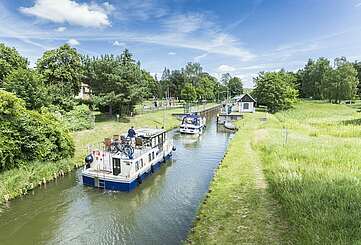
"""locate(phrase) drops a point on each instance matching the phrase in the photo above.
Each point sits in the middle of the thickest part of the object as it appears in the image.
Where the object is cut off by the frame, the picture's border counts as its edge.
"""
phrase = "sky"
(241, 37)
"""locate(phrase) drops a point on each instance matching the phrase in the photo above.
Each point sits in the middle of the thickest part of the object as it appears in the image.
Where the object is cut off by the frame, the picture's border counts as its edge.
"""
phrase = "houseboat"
(192, 124)
(121, 164)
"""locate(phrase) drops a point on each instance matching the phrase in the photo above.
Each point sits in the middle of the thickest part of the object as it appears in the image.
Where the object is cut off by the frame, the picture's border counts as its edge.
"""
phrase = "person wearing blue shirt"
(131, 135)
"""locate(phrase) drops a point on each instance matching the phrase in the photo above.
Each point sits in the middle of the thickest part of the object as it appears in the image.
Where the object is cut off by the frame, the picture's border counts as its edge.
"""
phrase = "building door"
(245, 106)
(116, 166)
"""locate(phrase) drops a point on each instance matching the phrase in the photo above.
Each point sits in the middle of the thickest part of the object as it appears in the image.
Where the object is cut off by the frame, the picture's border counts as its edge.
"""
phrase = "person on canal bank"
(131, 135)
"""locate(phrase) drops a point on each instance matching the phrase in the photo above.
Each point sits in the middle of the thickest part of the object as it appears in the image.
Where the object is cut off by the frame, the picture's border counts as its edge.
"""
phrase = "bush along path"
(19, 181)
(238, 208)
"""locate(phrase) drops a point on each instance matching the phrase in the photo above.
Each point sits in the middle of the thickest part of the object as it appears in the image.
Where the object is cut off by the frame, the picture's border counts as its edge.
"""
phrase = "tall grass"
(316, 173)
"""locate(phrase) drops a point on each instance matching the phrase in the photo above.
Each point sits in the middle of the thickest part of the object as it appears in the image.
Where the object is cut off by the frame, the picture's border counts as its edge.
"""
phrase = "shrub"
(79, 118)
(29, 135)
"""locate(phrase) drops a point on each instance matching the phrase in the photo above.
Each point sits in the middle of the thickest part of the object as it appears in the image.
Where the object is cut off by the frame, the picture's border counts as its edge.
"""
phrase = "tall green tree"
(275, 90)
(357, 66)
(28, 85)
(189, 93)
(117, 82)
(62, 68)
(10, 60)
(344, 81)
(235, 86)
(315, 78)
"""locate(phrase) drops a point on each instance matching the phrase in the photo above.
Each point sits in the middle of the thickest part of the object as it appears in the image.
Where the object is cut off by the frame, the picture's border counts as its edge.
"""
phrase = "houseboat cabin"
(192, 124)
(121, 164)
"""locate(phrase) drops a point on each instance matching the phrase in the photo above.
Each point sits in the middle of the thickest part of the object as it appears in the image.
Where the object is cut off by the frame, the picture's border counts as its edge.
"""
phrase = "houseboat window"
(136, 165)
(141, 163)
(153, 155)
(150, 157)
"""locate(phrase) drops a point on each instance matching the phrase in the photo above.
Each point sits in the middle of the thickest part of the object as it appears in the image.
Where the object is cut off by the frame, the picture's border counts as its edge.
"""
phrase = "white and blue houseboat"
(192, 124)
(122, 165)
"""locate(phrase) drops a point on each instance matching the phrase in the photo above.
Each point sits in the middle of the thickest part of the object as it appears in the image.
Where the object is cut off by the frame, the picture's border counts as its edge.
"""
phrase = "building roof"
(242, 98)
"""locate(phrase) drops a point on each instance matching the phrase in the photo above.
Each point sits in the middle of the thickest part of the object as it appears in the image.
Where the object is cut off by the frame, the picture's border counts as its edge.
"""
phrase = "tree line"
(318, 80)
(39, 106)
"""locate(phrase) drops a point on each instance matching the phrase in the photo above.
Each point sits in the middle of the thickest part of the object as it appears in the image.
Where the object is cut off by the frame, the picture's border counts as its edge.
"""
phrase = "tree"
(62, 68)
(235, 86)
(344, 81)
(117, 82)
(27, 85)
(189, 93)
(357, 66)
(10, 60)
(315, 78)
(275, 90)
(225, 78)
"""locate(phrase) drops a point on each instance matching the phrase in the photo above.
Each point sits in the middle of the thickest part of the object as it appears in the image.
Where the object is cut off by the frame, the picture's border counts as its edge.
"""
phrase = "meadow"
(315, 174)
(311, 190)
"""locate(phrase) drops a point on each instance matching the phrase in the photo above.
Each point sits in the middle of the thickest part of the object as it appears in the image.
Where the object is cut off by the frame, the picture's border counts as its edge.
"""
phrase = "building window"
(245, 106)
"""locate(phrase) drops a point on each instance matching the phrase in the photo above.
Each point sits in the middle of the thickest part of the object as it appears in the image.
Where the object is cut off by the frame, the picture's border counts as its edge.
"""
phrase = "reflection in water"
(160, 211)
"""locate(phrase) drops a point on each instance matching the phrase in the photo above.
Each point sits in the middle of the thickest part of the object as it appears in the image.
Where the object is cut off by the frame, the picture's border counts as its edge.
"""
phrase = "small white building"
(244, 103)
(85, 92)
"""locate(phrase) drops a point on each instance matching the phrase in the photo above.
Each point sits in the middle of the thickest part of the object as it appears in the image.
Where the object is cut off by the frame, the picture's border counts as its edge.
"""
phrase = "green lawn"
(311, 160)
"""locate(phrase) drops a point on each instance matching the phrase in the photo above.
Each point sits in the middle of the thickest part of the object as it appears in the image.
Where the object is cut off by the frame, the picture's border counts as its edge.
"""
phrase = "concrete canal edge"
(238, 209)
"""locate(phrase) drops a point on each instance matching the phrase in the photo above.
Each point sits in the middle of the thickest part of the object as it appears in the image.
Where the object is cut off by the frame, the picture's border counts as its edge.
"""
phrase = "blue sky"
(241, 37)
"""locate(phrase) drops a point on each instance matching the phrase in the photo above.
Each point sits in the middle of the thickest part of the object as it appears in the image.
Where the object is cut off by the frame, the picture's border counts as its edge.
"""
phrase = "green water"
(160, 211)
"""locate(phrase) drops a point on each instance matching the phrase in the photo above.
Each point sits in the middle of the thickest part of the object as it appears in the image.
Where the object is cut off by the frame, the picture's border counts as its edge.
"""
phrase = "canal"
(160, 211)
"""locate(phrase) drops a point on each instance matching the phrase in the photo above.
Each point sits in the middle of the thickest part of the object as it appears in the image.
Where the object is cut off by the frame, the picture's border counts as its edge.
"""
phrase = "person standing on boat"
(131, 135)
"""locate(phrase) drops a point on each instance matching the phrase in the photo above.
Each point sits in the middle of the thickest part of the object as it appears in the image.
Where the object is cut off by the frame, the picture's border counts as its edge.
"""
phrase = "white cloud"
(186, 23)
(199, 57)
(358, 5)
(116, 43)
(226, 68)
(61, 11)
(73, 42)
(60, 29)
(172, 53)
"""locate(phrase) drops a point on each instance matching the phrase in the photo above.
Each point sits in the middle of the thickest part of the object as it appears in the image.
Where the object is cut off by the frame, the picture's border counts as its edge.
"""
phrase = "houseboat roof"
(149, 132)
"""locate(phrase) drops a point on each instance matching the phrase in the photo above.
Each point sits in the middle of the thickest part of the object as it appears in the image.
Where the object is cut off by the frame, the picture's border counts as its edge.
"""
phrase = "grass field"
(19, 181)
(238, 208)
(315, 174)
(311, 161)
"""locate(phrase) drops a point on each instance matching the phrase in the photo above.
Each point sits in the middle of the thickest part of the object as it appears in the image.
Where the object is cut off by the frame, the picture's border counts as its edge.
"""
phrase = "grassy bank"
(19, 181)
(311, 160)
(238, 209)
(315, 174)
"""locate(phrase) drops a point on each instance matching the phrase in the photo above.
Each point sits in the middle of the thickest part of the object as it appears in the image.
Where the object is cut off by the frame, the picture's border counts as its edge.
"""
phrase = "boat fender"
(174, 148)
(139, 179)
(88, 160)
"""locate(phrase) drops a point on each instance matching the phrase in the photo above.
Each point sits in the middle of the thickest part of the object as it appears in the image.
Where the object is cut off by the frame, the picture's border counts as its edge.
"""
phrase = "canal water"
(160, 211)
